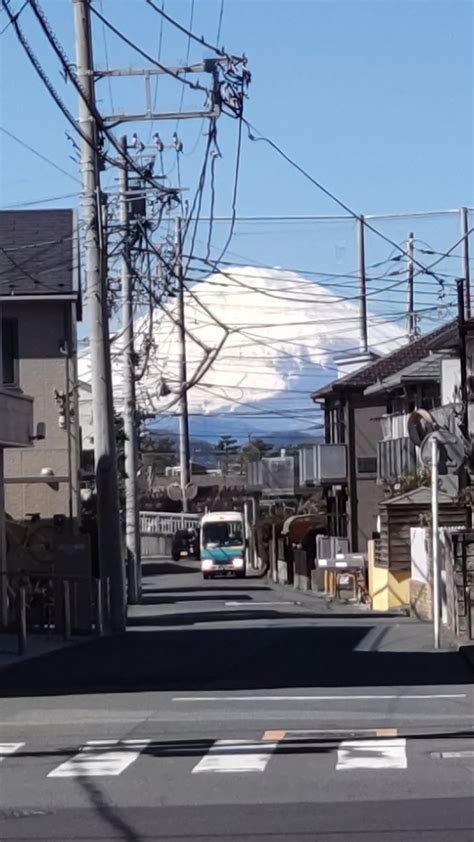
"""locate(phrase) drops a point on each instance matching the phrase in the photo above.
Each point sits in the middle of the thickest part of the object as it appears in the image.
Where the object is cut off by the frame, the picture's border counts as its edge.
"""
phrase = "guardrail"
(44, 602)
(166, 523)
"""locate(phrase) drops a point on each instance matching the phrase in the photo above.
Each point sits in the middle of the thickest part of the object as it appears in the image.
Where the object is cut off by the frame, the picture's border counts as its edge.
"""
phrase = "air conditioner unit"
(323, 464)
(323, 546)
(331, 547)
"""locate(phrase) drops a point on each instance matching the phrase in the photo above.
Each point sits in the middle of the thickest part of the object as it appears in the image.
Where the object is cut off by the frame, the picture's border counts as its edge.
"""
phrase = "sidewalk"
(38, 644)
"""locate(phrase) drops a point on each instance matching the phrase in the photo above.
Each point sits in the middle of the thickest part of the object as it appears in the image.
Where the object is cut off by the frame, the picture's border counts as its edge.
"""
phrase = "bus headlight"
(237, 562)
(207, 564)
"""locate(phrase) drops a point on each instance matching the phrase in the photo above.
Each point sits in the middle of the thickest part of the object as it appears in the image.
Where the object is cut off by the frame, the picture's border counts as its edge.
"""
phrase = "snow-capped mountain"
(258, 341)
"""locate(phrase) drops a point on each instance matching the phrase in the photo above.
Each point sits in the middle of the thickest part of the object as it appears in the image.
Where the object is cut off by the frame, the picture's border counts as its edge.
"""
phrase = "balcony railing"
(395, 458)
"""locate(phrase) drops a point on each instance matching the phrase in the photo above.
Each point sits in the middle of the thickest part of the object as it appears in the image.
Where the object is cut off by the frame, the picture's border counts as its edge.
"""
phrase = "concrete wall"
(43, 327)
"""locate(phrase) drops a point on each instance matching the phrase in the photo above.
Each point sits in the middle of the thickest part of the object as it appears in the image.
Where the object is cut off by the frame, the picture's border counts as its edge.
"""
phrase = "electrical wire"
(219, 25)
(106, 53)
(195, 86)
(126, 160)
(155, 97)
(39, 154)
(191, 35)
(343, 205)
(15, 17)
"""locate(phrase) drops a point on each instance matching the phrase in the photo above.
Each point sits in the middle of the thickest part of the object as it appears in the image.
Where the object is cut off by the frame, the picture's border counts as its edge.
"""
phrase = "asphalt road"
(238, 711)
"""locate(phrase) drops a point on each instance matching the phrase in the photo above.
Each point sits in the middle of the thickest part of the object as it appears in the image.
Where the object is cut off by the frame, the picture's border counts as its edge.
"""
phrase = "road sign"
(191, 491)
(451, 451)
(174, 491)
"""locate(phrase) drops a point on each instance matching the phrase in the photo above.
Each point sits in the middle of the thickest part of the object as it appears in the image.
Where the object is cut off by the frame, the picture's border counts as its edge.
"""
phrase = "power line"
(191, 35)
(15, 17)
(147, 56)
(38, 154)
(15, 205)
(219, 25)
(306, 174)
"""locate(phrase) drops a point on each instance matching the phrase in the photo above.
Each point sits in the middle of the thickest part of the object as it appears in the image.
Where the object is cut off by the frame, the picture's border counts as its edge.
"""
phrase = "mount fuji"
(258, 342)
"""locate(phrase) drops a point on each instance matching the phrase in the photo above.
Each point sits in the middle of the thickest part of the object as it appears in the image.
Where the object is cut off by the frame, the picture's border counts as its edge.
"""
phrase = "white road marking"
(8, 748)
(408, 697)
(100, 758)
(251, 603)
(372, 754)
(453, 754)
(236, 756)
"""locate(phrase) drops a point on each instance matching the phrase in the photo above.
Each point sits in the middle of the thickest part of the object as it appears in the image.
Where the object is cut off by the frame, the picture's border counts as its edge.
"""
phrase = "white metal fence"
(166, 523)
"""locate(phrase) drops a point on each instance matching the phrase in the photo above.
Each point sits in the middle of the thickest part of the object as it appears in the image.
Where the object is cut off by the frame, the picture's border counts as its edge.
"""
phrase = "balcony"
(323, 464)
(395, 458)
(16, 419)
(274, 476)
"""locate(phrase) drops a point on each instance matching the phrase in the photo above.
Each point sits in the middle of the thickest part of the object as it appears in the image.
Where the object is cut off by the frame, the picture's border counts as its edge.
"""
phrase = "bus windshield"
(222, 534)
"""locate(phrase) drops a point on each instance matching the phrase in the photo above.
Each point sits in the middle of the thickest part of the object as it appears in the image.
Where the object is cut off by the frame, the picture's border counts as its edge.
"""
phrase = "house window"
(10, 352)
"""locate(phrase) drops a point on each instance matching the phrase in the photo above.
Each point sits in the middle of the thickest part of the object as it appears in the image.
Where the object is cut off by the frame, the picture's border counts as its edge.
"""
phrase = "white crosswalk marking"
(101, 758)
(8, 748)
(236, 756)
(372, 754)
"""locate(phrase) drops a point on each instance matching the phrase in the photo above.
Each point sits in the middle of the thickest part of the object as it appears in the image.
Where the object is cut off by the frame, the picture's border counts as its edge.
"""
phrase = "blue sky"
(373, 98)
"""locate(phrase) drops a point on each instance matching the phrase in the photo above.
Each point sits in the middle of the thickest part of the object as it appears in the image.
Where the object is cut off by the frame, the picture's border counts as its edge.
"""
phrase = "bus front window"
(222, 534)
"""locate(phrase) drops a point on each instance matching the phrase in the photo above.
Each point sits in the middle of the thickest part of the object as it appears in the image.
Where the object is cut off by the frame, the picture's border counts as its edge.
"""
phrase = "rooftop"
(39, 252)
(407, 355)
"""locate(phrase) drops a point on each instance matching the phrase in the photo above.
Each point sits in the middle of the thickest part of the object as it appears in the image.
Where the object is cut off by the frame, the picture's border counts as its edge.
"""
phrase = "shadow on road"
(169, 599)
(223, 658)
(108, 813)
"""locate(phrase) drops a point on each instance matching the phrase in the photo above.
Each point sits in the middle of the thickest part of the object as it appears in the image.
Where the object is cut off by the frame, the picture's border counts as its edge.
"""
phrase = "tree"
(255, 449)
(157, 451)
(226, 448)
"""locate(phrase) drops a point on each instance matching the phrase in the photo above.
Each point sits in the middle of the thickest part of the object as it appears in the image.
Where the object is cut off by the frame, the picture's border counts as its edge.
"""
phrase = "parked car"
(185, 544)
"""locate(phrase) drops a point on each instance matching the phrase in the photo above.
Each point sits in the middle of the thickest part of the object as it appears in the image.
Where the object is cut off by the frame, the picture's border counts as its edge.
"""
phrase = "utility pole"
(362, 284)
(464, 480)
(435, 541)
(108, 514)
(466, 266)
(184, 450)
(132, 531)
(411, 289)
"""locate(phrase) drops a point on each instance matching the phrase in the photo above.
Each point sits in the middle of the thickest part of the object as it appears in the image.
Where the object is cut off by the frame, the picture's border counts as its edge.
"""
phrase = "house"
(366, 411)
(40, 305)
(16, 430)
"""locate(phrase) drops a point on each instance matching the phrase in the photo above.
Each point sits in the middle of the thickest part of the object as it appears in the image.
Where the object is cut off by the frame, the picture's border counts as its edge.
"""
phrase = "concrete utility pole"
(435, 542)
(411, 318)
(184, 450)
(363, 285)
(132, 531)
(108, 514)
(466, 265)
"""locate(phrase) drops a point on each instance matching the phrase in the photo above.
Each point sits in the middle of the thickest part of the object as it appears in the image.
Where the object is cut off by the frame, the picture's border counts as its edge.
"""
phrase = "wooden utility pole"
(108, 514)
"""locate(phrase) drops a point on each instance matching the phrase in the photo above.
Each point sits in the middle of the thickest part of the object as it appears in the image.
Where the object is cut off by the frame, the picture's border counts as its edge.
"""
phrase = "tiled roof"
(38, 252)
(410, 353)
